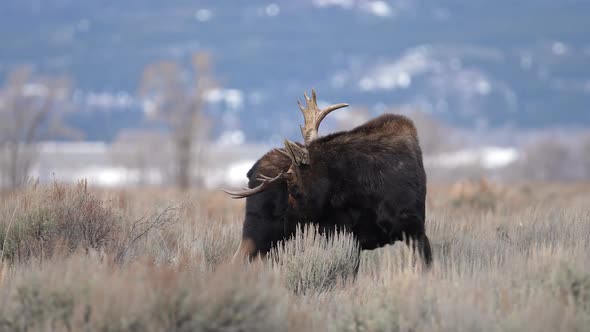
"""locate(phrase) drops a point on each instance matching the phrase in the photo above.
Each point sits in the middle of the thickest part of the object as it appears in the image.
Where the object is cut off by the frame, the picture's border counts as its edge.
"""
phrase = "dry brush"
(512, 268)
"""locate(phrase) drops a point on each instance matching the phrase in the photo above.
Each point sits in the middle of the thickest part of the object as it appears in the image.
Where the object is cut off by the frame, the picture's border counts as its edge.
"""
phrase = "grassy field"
(75, 258)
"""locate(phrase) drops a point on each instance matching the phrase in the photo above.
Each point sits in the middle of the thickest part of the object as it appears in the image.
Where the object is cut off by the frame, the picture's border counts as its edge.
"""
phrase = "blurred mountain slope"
(477, 63)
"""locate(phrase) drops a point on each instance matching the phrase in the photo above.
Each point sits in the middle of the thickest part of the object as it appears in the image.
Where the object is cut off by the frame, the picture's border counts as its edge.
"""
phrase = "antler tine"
(301, 107)
(313, 116)
(283, 152)
(263, 177)
(264, 185)
(241, 194)
(327, 111)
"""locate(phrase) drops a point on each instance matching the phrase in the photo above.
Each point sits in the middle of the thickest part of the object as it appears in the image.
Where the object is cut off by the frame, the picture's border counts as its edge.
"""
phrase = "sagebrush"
(81, 259)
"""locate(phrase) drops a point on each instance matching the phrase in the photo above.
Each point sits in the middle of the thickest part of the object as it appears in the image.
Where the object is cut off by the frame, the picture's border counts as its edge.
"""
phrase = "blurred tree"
(134, 149)
(31, 109)
(547, 160)
(178, 99)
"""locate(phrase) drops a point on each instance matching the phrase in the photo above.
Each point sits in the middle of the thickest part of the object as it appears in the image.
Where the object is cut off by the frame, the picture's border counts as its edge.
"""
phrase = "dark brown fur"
(369, 180)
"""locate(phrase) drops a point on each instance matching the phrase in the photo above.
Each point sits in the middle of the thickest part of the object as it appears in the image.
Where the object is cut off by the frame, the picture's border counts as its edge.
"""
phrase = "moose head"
(298, 174)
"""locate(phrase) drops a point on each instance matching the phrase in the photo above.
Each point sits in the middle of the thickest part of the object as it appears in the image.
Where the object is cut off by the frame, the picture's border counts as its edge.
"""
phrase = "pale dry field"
(76, 258)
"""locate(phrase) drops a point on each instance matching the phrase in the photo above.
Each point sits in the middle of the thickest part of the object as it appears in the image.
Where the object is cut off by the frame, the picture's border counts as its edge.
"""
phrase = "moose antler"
(299, 155)
(266, 182)
(313, 116)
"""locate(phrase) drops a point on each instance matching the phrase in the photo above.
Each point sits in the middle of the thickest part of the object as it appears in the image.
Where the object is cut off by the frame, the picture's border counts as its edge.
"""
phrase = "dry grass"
(80, 259)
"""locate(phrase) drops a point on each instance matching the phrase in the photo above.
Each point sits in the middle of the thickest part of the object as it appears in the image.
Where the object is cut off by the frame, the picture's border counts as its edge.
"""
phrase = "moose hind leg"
(421, 244)
(355, 270)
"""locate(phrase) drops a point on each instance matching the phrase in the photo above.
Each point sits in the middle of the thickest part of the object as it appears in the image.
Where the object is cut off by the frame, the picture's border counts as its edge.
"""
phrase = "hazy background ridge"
(473, 64)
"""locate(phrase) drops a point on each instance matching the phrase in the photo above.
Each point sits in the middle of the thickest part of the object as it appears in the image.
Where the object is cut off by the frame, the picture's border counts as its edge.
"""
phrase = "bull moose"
(369, 181)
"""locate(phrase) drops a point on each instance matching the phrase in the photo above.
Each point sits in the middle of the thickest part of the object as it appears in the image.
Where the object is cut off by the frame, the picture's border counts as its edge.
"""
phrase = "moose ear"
(299, 155)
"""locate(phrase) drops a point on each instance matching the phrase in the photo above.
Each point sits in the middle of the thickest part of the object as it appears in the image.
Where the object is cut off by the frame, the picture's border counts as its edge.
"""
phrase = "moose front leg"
(246, 251)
